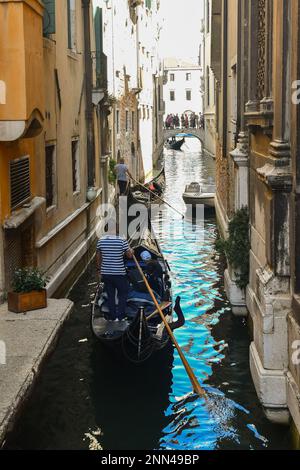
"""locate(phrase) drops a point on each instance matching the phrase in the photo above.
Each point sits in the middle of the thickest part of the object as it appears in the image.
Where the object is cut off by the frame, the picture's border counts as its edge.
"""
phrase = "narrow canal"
(87, 400)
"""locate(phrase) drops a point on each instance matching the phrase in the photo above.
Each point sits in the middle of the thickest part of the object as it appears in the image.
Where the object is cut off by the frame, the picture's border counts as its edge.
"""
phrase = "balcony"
(101, 75)
(21, 69)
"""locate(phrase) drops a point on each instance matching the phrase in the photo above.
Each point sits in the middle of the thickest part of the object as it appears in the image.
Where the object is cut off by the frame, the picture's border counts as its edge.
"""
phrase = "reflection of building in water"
(182, 89)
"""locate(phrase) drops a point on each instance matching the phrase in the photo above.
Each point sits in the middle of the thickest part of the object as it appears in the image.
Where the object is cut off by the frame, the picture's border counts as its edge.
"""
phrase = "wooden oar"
(160, 198)
(163, 306)
(195, 384)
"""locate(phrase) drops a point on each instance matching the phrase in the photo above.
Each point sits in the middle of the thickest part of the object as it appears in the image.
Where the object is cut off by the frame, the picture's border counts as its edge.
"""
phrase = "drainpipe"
(225, 76)
(89, 93)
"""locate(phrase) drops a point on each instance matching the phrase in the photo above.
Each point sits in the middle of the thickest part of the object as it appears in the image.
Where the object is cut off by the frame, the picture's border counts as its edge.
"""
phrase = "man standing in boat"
(111, 252)
(121, 170)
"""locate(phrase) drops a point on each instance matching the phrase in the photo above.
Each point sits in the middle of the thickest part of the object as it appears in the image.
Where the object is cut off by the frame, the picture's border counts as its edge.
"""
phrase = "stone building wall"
(262, 172)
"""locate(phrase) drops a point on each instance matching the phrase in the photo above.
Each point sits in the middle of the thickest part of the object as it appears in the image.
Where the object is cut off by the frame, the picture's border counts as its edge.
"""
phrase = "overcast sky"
(181, 28)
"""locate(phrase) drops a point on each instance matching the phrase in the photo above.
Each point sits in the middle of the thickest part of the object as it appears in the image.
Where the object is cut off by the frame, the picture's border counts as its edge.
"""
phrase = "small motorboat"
(195, 194)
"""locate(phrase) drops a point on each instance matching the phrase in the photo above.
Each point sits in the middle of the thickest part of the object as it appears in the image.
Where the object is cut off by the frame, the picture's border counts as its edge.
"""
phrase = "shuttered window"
(75, 165)
(19, 182)
(71, 24)
(50, 175)
(49, 17)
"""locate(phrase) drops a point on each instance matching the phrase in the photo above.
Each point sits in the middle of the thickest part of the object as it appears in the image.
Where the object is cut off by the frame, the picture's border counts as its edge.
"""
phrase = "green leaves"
(111, 172)
(28, 280)
(237, 246)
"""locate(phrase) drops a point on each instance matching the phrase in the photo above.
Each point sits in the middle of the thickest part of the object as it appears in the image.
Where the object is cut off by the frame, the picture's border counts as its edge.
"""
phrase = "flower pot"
(25, 302)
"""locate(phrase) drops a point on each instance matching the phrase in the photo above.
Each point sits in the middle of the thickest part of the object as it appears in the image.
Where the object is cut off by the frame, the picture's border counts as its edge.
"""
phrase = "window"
(50, 175)
(132, 121)
(127, 121)
(207, 16)
(72, 25)
(188, 77)
(49, 17)
(75, 165)
(188, 95)
(118, 121)
(172, 95)
(19, 182)
(172, 77)
(208, 86)
(148, 113)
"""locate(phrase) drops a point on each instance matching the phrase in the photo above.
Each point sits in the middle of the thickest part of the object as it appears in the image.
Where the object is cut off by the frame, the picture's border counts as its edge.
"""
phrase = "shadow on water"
(138, 397)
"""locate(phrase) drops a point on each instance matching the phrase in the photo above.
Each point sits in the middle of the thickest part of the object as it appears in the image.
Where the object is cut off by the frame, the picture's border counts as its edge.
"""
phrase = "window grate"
(19, 182)
(75, 165)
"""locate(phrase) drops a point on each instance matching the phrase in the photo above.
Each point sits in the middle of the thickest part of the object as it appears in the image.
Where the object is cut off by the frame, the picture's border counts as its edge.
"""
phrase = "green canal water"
(85, 399)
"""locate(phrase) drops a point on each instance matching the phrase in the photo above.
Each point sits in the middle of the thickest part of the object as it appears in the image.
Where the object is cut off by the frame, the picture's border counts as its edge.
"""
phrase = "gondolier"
(121, 170)
(111, 251)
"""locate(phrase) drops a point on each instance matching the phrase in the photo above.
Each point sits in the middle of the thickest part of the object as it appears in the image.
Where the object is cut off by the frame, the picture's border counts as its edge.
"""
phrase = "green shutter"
(98, 38)
(148, 4)
(49, 17)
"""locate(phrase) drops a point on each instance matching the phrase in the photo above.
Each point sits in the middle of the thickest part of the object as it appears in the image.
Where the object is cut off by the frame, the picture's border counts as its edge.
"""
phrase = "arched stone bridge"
(198, 133)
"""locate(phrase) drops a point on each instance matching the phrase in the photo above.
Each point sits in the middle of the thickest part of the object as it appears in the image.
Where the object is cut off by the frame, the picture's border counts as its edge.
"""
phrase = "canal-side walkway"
(25, 341)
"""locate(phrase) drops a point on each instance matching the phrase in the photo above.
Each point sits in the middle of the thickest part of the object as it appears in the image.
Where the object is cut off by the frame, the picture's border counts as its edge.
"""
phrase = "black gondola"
(142, 194)
(143, 332)
(176, 144)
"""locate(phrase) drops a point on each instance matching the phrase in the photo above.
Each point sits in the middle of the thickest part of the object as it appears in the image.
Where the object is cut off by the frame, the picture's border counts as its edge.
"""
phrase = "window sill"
(50, 210)
(72, 54)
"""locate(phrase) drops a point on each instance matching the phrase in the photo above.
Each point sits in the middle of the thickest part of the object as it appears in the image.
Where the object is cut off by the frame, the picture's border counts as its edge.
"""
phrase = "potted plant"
(29, 291)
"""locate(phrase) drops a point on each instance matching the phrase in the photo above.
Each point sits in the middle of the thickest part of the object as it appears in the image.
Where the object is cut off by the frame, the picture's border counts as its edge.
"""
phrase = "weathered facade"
(134, 82)
(50, 145)
(256, 63)
(209, 82)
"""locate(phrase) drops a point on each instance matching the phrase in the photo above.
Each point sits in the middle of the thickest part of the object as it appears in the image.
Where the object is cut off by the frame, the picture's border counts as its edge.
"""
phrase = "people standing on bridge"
(202, 121)
(177, 121)
(196, 121)
(182, 121)
(121, 171)
(186, 121)
(111, 251)
(167, 122)
(191, 120)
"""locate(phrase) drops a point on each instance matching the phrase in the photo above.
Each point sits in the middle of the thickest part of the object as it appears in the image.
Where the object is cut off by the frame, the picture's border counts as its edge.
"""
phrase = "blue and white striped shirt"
(112, 249)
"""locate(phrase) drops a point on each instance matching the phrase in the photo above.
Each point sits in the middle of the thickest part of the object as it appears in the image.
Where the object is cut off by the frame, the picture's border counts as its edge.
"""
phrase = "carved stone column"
(240, 154)
(253, 30)
(269, 298)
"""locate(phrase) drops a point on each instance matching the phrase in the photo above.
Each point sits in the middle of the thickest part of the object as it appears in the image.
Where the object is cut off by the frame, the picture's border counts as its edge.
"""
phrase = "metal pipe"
(89, 93)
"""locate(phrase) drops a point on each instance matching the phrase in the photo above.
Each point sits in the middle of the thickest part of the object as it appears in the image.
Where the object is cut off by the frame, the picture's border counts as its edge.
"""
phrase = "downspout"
(89, 93)
(224, 78)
